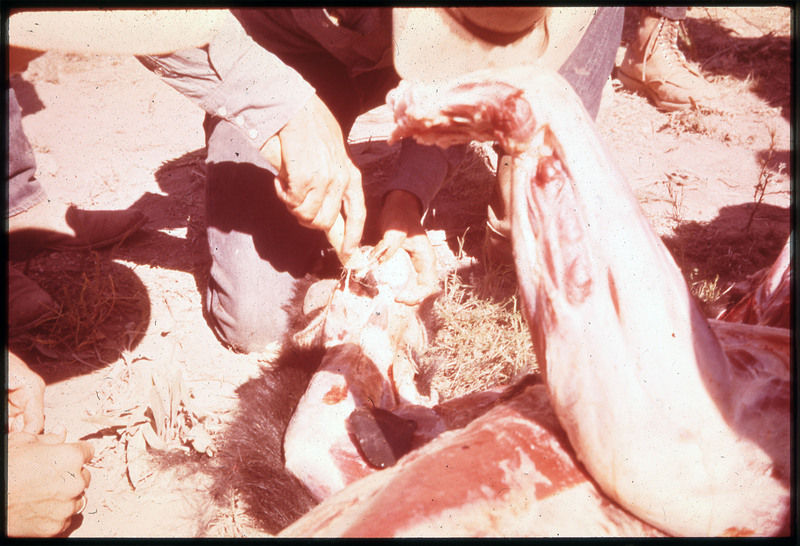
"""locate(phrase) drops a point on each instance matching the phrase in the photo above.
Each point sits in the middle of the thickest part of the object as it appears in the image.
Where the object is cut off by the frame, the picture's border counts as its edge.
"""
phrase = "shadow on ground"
(724, 251)
(102, 311)
(103, 306)
(763, 60)
(175, 236)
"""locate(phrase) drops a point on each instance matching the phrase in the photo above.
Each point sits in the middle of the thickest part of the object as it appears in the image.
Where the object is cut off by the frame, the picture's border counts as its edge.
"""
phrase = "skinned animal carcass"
(366, 373)
(651, 418)
(767, 295)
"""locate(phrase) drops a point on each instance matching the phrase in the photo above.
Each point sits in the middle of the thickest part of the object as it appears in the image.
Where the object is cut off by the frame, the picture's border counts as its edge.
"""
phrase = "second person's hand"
(402, 228)
(46, 482)
(25, 397)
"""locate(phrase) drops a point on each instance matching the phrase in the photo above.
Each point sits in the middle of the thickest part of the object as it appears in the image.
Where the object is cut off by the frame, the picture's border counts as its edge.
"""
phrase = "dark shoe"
(93, 228)
(28, 303)
(97, 228)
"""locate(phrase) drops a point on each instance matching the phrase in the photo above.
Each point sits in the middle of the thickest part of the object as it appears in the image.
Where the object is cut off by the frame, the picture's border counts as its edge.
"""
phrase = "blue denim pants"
(24, 191)
(674, 13)
(258, 249)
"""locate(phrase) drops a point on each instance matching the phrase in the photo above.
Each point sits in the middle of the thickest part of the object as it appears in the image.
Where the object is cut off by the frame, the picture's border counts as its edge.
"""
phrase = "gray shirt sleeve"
(422, 170)
(236, 79)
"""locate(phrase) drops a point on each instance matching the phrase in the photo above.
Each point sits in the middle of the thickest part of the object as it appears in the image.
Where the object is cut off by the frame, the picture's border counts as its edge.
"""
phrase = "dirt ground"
(107, 134)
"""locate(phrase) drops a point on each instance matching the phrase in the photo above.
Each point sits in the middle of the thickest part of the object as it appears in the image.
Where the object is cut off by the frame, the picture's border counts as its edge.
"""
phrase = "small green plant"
(676, 190)
(766, 177)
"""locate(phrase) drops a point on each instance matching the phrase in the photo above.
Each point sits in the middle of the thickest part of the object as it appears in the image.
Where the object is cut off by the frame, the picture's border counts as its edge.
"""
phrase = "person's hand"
(402, 228)
(46, 481)
(25, 397)
(317, 179)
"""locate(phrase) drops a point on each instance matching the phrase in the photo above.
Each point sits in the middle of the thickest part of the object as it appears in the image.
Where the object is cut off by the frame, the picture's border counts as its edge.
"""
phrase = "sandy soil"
(107, 134)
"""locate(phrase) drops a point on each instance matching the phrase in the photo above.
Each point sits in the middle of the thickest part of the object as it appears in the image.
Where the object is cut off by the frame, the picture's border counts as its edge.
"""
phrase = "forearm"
(236, 79)
(421, 170)
(115, 31)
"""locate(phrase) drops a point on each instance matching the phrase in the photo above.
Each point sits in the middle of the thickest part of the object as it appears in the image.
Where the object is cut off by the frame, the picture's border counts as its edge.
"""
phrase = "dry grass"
(482, 339)
(707, 291)
(233, 521)
(767, 178)
(701, 120)
(102, 310)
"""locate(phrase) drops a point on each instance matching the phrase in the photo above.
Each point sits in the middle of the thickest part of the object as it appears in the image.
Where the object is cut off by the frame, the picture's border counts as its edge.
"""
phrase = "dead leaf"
(136, 458)
(152, 438)
(158, 408)
(118, 419)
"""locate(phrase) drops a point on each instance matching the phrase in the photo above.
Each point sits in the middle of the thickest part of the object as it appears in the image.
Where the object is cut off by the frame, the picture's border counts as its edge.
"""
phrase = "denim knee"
(24, 191)
(258, 249)
(590, 64)
(249, 320)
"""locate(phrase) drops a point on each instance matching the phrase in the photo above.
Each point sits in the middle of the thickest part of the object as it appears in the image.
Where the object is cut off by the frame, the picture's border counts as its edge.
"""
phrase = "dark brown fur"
(249, 465)
(250, 462)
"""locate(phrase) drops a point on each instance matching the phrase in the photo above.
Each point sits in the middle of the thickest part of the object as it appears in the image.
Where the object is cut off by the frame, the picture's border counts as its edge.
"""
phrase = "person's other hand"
(25, 397)
(402, 228)
(317, 179)
(46, 481)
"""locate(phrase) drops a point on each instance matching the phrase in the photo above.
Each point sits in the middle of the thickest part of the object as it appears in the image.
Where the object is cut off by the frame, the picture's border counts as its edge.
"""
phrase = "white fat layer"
(645, 396)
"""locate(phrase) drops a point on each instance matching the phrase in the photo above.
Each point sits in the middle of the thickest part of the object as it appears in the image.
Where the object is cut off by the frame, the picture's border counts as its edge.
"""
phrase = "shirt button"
(222, 112)
(239, 121)
(253, 134)
(159, 71)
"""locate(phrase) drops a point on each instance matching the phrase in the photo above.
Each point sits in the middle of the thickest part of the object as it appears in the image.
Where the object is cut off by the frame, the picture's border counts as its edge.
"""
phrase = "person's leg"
(588, 67)
(24, 191)
(259, 251)
(656, 67)
(28, 303)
